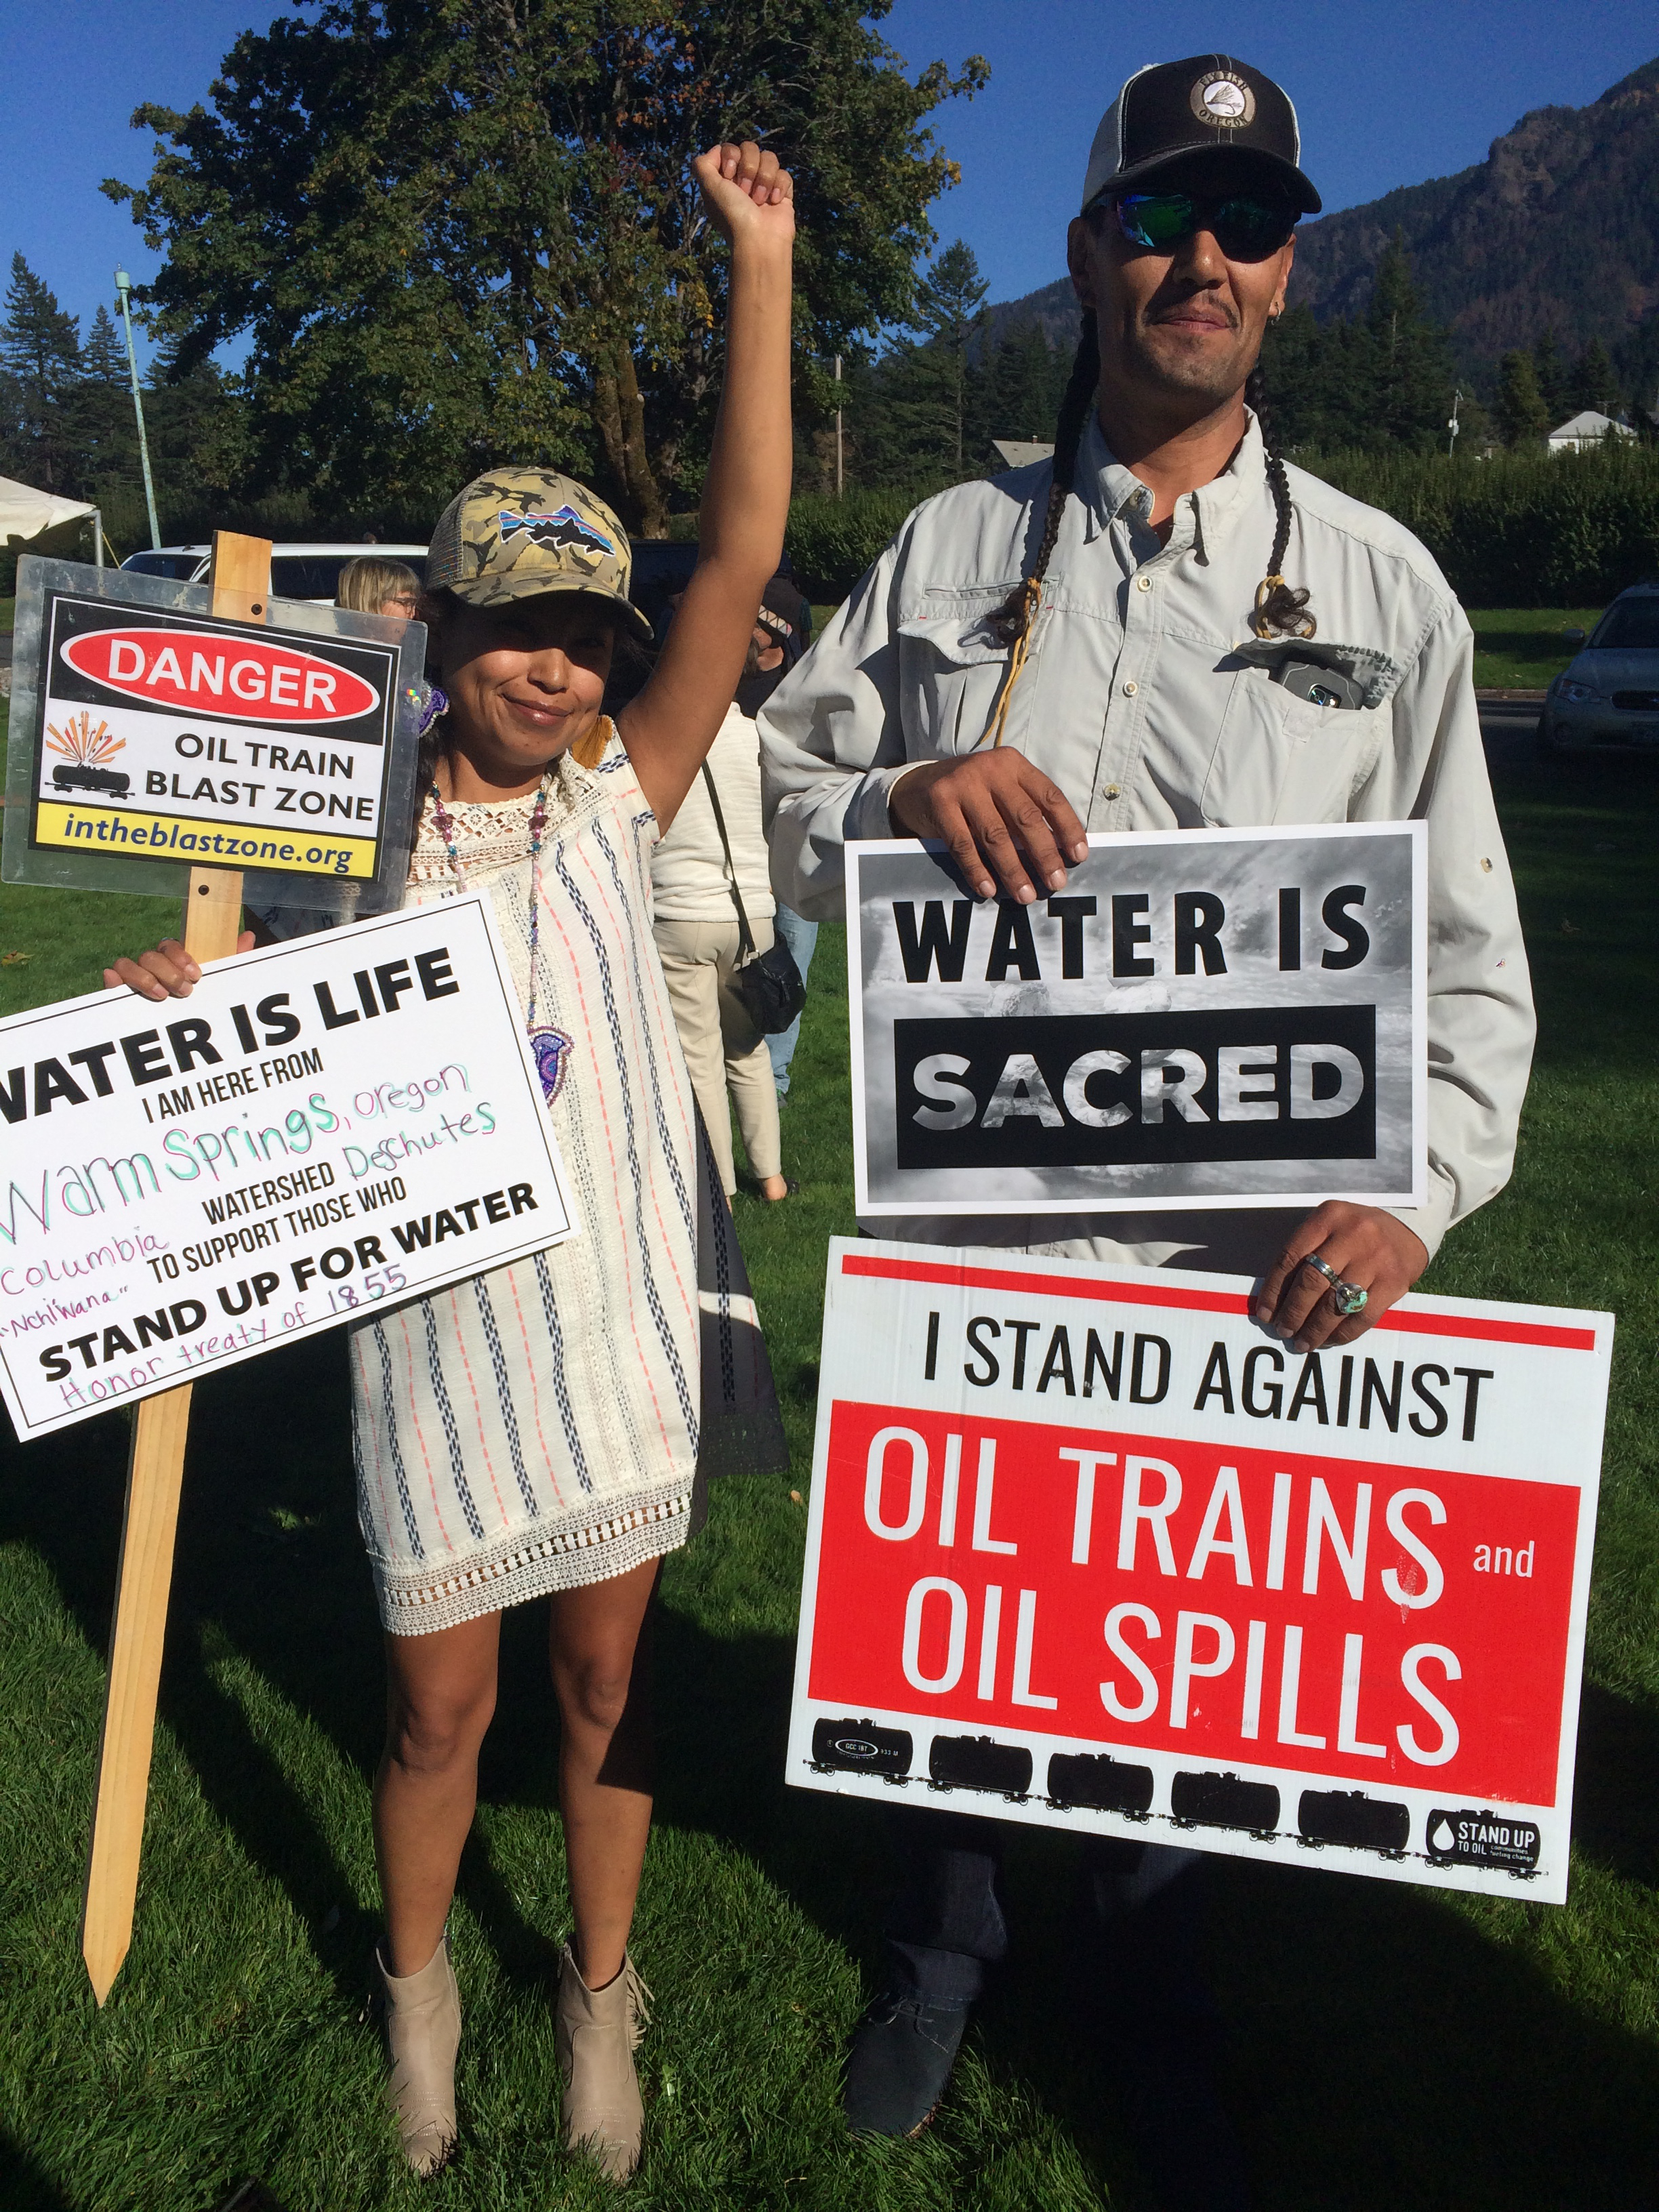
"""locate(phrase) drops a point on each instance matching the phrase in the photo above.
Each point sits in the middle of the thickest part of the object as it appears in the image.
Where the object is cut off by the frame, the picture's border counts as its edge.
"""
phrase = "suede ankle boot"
(598, 2032)
(422, 2035)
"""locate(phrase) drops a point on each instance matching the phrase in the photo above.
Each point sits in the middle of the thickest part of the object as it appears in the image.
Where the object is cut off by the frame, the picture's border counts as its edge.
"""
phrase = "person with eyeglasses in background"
(371, 586)
(1112, 643)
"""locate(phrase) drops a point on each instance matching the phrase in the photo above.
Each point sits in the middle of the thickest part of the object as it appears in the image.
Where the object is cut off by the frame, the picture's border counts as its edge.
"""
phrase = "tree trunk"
(619, 418)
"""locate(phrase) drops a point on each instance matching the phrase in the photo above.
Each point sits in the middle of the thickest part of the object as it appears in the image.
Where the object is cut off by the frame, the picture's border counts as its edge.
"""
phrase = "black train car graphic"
(1350, 1817)
(1223, 1801)
(77, 778)
(1099, 1785)
(976, 1762)
(859, 1746)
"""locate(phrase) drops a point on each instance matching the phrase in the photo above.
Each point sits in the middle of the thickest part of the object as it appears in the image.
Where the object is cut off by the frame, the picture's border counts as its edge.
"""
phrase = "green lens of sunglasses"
(1245, 228)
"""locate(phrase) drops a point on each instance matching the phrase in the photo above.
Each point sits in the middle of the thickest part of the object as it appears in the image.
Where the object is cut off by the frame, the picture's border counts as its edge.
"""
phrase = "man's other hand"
(1004, 823)
(1363, 1245)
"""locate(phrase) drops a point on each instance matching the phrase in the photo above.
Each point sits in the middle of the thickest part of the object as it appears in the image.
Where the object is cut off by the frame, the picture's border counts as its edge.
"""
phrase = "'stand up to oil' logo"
(1483, 1840)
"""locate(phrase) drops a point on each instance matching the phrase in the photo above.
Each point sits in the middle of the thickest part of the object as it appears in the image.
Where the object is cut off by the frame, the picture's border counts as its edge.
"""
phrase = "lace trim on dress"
(525, 1566)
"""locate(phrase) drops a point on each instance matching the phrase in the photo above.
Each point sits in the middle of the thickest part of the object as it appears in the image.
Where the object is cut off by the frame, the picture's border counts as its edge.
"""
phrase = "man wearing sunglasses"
(1167, 627)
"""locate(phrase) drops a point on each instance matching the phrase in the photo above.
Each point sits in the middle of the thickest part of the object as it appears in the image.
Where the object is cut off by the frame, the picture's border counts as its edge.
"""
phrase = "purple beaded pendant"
(552, 1049)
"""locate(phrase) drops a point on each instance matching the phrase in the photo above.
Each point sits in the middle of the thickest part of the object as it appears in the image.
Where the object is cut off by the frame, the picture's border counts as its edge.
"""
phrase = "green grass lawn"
(1390, 2047)
(1521, 648)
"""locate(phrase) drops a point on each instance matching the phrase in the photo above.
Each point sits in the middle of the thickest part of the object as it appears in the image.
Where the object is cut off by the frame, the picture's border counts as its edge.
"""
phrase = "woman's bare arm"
(669, 728)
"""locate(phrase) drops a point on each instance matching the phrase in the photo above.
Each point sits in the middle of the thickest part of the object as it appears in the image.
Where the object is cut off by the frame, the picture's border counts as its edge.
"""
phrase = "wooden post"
(212, 921)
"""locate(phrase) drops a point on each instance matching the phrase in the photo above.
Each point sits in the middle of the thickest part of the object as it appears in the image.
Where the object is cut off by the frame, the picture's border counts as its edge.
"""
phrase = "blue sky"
(1389, 92)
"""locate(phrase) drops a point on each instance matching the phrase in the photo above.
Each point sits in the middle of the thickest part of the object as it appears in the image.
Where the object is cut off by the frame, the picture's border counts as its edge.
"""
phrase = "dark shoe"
(898, 2063)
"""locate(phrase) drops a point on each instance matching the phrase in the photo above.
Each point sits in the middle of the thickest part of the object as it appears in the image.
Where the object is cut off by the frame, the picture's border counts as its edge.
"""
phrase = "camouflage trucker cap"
(516, 533)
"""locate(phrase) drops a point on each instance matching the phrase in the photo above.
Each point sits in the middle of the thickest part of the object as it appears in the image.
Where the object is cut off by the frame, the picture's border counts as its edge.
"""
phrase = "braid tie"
(1012, 621)
(1279, 611)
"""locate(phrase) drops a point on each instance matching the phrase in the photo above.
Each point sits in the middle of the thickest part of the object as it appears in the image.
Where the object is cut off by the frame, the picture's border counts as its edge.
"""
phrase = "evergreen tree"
(1595, 383)
(1522, 417)
(1411, 368)
(104, 356)
(1554, 379)
(1014, 392)
(948, 312)
(40, 355)
(1380, 381)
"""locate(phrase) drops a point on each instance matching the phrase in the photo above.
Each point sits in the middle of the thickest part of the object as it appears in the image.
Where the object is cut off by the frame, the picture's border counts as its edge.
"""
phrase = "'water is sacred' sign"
(326, 1127)
(1214, 1017)
(1088, 1549)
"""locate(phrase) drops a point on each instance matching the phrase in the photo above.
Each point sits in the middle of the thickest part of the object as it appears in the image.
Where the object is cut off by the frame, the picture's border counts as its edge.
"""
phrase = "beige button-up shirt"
(1135, 700)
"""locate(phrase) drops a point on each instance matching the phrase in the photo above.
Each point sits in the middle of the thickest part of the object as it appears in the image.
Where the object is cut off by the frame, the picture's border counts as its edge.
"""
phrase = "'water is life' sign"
(324, 1129)
(1216, 1017)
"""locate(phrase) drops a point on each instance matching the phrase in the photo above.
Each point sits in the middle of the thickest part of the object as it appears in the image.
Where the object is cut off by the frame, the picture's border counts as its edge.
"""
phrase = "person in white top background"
(1089, 645)
(694, 871)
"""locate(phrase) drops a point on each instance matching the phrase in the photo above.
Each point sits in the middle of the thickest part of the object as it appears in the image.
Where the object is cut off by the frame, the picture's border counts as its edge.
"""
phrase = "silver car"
(1609, 695)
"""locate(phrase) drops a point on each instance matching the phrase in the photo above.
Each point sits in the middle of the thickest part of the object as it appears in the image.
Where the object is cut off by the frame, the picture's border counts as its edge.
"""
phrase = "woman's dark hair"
(1279, 611)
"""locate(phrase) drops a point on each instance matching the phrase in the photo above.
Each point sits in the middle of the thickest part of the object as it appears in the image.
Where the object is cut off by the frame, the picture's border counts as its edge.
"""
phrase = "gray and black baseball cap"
(1210, 104)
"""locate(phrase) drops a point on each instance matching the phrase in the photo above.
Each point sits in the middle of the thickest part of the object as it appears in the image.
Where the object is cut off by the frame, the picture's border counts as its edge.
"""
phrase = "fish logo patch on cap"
(1223, 99)
(561, 529)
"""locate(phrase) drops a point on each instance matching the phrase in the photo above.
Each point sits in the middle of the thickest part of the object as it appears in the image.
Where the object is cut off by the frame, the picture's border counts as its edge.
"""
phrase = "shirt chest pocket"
(1280, 759)
(950, 667)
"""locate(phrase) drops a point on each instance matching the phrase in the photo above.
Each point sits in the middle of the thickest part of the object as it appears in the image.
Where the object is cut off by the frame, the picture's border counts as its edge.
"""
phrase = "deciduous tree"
(463, 232)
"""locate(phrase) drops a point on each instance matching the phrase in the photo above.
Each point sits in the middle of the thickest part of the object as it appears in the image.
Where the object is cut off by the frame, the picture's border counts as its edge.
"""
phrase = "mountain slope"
(1558, 229)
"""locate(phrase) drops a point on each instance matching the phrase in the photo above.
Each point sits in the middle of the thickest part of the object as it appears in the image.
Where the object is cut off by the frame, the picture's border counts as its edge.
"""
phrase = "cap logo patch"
(1223, 99)
(564, 529)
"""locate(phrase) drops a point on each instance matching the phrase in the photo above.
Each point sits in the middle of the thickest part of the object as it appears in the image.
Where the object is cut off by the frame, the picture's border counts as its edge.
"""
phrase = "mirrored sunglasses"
(1247, 228)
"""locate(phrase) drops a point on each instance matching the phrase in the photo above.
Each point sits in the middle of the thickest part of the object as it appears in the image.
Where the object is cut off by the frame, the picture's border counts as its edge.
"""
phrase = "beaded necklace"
(549, 1048)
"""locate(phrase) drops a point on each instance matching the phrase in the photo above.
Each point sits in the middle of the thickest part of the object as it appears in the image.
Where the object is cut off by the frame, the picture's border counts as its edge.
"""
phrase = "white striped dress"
(541, 1425)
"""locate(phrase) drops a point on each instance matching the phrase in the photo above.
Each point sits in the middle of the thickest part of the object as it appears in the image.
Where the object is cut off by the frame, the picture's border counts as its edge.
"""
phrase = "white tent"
(26, 514)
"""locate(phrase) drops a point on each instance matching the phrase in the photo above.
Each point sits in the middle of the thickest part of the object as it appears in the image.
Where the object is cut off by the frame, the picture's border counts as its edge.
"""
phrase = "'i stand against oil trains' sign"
(1088, 1549)
(1211, 1017)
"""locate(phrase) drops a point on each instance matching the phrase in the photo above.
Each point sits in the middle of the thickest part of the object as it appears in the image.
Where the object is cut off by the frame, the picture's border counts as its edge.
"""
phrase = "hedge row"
(1519, 530)
(831, 542)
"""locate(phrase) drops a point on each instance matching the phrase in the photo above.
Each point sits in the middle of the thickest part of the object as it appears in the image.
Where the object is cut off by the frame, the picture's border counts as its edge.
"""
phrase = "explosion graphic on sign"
(81, 743)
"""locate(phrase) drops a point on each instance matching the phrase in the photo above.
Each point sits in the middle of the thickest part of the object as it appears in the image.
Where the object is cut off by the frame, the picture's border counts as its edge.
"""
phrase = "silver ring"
(1329, 1273)
(1348, 1298)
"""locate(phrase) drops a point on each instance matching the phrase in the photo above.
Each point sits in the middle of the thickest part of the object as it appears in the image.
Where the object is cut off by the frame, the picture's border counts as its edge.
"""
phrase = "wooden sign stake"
(213, 920)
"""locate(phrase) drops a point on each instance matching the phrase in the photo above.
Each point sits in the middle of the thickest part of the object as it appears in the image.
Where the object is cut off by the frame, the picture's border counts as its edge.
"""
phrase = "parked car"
(297, 572)
(1609, 694)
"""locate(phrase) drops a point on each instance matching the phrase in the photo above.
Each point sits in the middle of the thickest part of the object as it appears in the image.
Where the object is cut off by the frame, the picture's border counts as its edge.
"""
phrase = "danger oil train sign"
(186, 737)
(1210, 1016)
(1088, 1549)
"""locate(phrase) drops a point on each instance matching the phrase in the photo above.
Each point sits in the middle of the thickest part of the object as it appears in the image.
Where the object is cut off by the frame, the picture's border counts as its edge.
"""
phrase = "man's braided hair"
(1279, 611)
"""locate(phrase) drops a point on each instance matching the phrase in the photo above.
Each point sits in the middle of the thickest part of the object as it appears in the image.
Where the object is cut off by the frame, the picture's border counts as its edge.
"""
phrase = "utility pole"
(840, 481)
(123, 286)
(1453, 426)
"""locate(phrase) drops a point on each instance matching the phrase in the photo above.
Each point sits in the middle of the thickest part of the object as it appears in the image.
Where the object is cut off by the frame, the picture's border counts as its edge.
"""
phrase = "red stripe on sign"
(1233, 1302)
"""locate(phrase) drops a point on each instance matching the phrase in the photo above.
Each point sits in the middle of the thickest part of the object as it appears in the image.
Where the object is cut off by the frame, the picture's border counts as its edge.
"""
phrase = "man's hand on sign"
(167, 972)
(744, 188)
(1363, 1245)
(994, 811)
